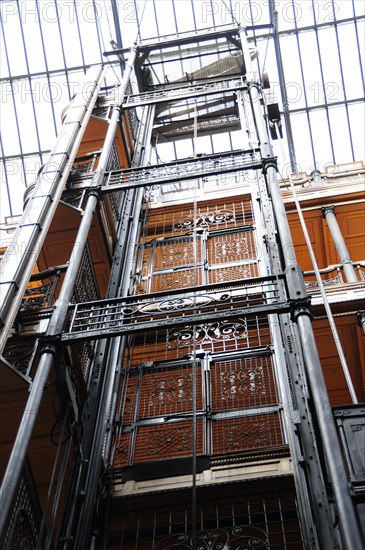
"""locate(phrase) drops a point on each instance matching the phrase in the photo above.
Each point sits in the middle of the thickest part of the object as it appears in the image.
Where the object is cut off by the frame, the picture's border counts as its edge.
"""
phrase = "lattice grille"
(174, 221)
(232, 273)
(234, 247)
(167, 441)
(122, 452)
(24, 522)
(240, 434)
(242, 383)
(130, 402)
(178, 279)
(169, 391)
(213, 337)
(170, 254)
(238, 523)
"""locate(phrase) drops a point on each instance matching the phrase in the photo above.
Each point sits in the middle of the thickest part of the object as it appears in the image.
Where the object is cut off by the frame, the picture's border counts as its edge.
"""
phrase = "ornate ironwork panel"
(244, 522)
(169, 440)
(86, 288)
(182, 278)
(244, 433)
(237, 538)
(122, 453)
(24, 521)
(217, 215)
(166, 391)
(19, 354)
(242, 383)
(170, 254)
(232, 247)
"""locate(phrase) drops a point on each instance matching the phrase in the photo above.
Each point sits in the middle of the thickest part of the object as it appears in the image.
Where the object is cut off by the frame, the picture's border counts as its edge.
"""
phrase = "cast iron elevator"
(202, 353)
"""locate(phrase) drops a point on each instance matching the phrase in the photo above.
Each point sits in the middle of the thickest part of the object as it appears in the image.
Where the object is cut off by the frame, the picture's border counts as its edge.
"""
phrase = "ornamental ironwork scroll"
(204, 220)
(236, 538)
(207, 333)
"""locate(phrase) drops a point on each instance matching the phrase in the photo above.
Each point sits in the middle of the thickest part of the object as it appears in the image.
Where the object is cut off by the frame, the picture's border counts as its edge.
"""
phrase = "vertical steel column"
(296, 415)
(347, 516)
(348, 268)
(21, 255)
(110, 355)
(49, 353)
(282, 84)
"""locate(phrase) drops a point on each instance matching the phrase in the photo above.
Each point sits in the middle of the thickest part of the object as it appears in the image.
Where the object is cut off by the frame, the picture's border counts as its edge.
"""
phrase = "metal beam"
(160, 174)
(121, 328)
(184, 92)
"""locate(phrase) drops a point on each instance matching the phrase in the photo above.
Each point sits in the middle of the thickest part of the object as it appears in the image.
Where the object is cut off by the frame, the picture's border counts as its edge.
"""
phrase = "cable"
(320, 283)
(231, 12)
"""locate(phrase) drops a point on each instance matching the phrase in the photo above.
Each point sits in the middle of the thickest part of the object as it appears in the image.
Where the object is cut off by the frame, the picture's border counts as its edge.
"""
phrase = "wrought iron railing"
(332, 275)
(203, 304)
(86, 286)
(42, 295)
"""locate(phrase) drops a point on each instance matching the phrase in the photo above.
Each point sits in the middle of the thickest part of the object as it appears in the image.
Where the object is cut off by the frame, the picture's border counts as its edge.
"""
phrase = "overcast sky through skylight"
(46, 44)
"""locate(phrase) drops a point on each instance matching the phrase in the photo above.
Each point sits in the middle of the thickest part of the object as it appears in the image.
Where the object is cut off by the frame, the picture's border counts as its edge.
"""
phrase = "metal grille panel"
(169, 391)
(171, 254)
(232, 273)
(242, 383)
(241, 434)
(235, 247)
(178, 279)
(205, 215)
(167, 441)
(152, 346)
(238, 523)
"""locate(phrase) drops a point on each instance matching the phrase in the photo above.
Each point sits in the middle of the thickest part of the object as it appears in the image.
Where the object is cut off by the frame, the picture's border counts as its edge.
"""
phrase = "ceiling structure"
(311, 50)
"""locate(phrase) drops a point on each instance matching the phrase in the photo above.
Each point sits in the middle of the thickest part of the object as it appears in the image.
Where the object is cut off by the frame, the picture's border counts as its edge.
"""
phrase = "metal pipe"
(348, 520)
(342, 251)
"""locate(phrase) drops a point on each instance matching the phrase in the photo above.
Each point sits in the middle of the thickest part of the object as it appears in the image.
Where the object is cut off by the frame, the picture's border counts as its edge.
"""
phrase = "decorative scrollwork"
(36, 297)
(207, 333)
(19, 355)
(172, 389)
(204, 220)
(236, 538)
(170, 442)
(237, 383)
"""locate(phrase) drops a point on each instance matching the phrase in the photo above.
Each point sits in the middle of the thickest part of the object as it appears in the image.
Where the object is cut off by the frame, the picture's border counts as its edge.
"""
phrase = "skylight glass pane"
(8, 119)
(302, 140)
(321, 138)
(359, 7)
(293, 76)
(33, 44)
(340, 134)
(331, 65)
(357, 116)
(12, 36)
(350, 62)
(311, 67)
(26, 119)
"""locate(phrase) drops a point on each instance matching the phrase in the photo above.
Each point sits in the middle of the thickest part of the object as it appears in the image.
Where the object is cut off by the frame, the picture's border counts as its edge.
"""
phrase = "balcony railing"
(332, 276)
